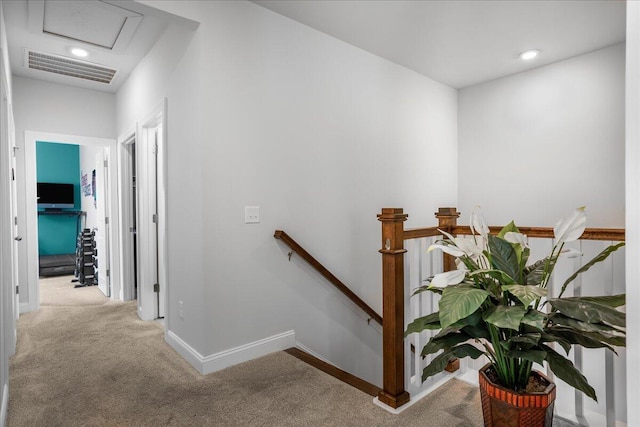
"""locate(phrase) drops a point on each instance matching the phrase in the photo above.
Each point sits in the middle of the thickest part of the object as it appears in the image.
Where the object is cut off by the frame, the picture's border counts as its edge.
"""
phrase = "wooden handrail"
(281, 235)
(607, 234)
(612, 234)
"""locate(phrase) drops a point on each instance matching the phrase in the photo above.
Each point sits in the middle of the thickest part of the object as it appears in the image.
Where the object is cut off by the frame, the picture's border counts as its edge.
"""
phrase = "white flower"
(448, 249)
(571, 227)
(518, 238)
(468, 247)
(478, 223)
(460, 246)
(442, 280)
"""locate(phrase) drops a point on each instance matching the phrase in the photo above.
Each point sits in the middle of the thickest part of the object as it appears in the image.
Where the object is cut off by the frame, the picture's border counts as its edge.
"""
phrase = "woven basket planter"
(502, 407)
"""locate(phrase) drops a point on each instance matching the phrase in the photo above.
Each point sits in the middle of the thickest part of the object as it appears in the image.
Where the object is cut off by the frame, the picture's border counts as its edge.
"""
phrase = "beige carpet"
(83, 360)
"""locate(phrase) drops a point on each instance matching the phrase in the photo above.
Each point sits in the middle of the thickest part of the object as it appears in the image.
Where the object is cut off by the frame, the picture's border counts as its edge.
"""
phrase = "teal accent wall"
(58, 163)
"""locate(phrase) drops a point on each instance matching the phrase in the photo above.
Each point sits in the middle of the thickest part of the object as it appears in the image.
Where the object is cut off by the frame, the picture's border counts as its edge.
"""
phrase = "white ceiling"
(116, 33)
(458, 43)
(461, 43)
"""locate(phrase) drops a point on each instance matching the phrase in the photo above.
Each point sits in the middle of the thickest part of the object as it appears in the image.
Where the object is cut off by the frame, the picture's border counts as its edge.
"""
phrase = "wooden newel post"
(393, 392)
(447, 219)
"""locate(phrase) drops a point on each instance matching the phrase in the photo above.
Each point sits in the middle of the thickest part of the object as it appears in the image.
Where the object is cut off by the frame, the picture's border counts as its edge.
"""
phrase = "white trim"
(415, 398)
(126, 290)
(632, 203)
(314, 354)
(26, 307)
(151, 238)
(5, 405)
(224, 359)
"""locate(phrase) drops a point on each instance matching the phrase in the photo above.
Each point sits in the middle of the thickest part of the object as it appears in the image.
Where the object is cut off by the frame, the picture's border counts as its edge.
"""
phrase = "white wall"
(633, 207)
(48, 107)
(535, 145)
(321, 135)
(87, 165)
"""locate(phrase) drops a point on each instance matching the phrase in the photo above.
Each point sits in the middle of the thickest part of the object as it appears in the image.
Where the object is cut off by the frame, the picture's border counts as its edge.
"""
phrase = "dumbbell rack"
(86, 258)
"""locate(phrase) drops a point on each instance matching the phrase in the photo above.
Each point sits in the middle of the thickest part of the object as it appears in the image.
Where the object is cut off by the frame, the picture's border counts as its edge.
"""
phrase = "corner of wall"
(224, 359)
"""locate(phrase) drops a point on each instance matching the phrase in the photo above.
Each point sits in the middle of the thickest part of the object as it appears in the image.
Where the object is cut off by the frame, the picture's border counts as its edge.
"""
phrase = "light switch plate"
(251, 214)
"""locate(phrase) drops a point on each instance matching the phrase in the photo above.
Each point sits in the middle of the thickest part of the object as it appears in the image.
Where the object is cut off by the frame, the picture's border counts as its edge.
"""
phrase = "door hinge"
(106, 163)
(17, 289)
(14, 150)
(108, 273)
(13, 174)
(106, 220)
(156, 287)
(155, 218)
(15, 220)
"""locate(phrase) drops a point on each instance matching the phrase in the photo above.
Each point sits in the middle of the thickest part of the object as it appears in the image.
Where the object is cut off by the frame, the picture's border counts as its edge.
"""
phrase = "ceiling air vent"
(68, 67)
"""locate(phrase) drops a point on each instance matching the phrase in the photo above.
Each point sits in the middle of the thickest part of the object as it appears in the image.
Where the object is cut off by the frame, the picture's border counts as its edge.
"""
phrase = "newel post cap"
(447, 213)
(392, 214)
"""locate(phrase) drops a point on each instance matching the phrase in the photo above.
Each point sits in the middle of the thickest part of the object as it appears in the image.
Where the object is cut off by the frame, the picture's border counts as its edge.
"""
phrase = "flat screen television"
(55, 195)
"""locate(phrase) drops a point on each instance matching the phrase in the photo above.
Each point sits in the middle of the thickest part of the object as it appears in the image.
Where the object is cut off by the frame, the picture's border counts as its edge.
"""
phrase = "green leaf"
(477, 332)
(609, 300)
(532, 339)
(511, 227)
(524, 257)
(569, 322)
(499, 275)
(430, 321)
(588, 311)
(534, 318)
(526, 293)
(458, 302)
(550, 337)
(589, 339)
(444, 343)
(564, 369)
(535, 356)
(440, 362)
(534, 273)
(422, 289)
(598, 258)
(470, 321)
(506, 317)
(504, 258)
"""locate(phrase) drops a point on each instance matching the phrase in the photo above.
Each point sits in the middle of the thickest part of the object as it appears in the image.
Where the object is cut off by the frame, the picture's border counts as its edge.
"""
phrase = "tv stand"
(57, 265)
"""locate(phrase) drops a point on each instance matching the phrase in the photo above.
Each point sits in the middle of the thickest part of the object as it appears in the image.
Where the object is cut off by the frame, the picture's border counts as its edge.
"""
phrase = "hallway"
(84, 360)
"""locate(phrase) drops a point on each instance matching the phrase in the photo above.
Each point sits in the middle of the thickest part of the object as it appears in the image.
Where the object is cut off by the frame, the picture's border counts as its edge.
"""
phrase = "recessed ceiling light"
(529, 54)
(79, 52)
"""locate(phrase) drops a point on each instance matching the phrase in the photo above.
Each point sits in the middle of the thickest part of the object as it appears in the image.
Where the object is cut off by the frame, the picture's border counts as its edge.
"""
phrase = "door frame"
(31, 221)
(147, 306)
(127, 271)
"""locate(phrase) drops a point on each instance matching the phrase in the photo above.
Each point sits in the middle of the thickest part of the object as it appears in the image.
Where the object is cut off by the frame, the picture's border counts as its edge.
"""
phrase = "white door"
(150, 289)
(102, 226)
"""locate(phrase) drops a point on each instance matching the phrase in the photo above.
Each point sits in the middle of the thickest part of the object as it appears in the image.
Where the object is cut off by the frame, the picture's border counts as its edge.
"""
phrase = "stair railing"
(405, 264)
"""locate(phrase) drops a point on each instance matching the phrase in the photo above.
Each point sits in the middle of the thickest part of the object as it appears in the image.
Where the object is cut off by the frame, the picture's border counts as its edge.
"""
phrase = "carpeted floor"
(83, 360)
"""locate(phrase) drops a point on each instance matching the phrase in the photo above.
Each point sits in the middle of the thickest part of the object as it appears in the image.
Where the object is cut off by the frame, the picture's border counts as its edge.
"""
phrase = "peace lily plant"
(496, 304)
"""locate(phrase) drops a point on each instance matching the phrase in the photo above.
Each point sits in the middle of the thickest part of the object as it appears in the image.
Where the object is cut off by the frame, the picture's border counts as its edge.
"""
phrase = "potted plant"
(496, 305)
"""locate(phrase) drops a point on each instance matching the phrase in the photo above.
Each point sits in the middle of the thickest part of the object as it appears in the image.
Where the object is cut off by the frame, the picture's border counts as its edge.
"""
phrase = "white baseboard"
(313, 353)
(224, 359)
(5, 405)
(26, 307)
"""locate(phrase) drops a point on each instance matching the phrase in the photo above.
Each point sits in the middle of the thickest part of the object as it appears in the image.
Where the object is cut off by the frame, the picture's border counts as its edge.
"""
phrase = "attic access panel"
(94, 22)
